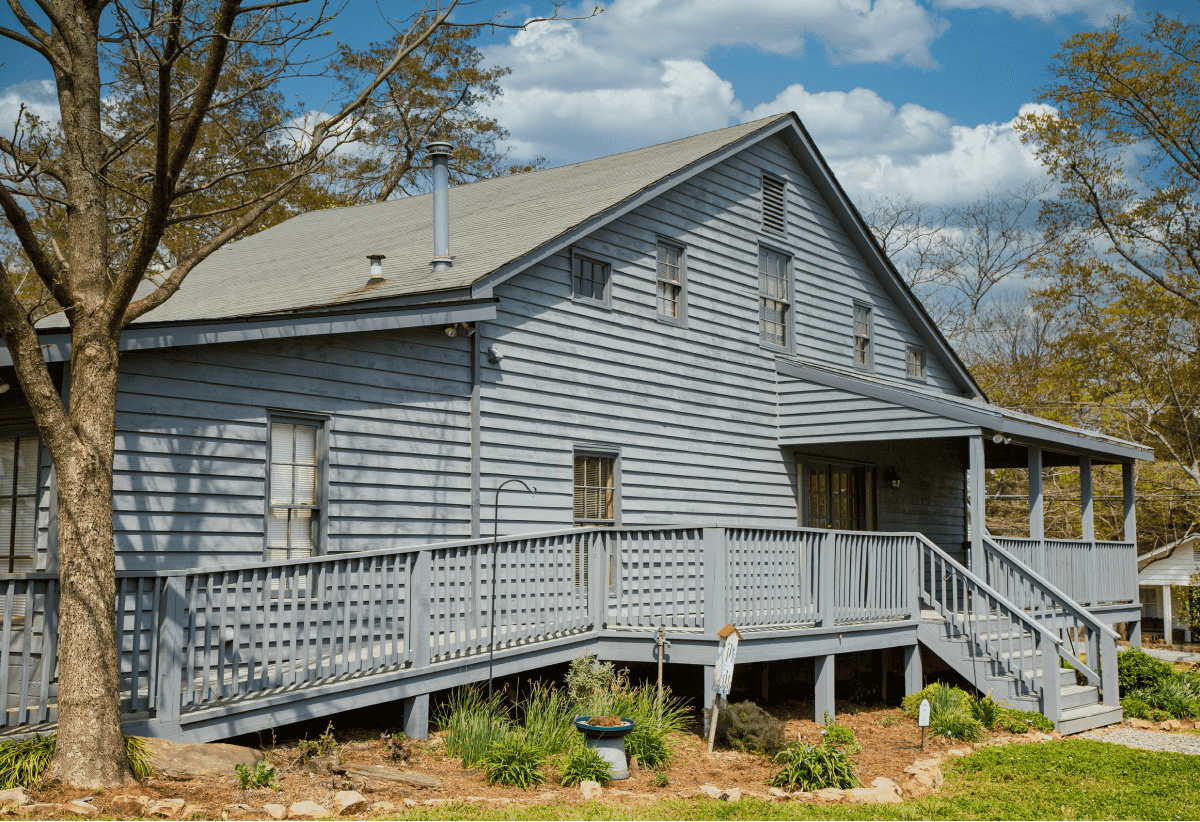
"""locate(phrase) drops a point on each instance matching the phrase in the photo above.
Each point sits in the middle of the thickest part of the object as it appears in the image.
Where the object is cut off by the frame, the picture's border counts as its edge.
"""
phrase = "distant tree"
(146, 175)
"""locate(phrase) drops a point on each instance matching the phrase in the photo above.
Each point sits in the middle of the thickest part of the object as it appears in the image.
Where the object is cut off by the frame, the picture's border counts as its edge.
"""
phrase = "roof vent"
(376, 269)
(439, 156)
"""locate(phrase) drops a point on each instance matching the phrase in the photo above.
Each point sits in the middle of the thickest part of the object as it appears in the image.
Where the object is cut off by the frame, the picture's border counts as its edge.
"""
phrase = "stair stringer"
(980, 670)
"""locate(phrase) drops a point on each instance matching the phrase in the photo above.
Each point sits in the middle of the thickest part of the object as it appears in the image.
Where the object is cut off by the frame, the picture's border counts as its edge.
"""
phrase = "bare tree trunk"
(90, 750)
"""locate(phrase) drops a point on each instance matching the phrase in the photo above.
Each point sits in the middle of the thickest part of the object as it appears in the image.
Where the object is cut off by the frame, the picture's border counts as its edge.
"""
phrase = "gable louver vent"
(774, 204)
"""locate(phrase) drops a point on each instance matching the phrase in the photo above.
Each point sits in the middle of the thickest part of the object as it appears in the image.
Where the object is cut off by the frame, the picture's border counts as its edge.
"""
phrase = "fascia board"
(985, 418)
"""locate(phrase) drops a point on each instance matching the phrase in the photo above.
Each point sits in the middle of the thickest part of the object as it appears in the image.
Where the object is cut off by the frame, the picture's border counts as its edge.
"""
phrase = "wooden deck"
(212, 652)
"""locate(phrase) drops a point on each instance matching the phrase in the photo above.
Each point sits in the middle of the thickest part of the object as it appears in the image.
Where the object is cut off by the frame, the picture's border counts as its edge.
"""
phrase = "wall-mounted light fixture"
(494, 356)
(1000, 439)
(4, 387)
(891, 477)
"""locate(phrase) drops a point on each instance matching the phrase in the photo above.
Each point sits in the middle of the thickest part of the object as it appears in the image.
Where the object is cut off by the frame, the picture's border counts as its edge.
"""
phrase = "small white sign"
(723, 681)
(923, 714)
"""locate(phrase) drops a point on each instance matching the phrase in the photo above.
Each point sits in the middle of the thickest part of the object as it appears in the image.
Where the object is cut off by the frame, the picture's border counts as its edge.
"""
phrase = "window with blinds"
(774, 298)
(774, 204)
(18, 504)
(862, 336)
(590, 279)
(294, 511)
(671, 276)
(595, 503)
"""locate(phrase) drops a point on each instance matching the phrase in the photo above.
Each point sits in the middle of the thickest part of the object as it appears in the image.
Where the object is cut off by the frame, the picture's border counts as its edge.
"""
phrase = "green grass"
(1072, 779)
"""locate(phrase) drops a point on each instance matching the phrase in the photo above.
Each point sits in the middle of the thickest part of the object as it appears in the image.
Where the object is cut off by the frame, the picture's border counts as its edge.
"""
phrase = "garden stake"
(660, 637)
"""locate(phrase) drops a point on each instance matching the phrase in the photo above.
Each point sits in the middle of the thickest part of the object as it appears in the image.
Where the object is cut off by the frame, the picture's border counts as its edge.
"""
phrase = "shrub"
(942, 698)
(1134, 707)
(843, 737)
(23, 761)
(514, 761)
(585, 763)
(1031, 719)
(1172, 698)
(957, 725)
(649, 744)
(323, 745)
(985, 709)
(811, 768)
(262, 775)
(746, 727)
(661, 780)
(471, 732)
(1137, 669)
(590, 681)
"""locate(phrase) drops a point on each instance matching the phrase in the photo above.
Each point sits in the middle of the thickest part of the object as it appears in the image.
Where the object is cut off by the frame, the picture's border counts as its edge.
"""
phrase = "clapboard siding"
(190, 461)
(812, 413)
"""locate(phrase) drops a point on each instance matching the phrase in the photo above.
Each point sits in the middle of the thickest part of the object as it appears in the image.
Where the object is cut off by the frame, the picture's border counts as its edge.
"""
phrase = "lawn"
(1072, 779)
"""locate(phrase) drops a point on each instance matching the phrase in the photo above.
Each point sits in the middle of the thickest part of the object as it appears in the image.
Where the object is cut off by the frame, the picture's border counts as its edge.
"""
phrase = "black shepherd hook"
(492, 609)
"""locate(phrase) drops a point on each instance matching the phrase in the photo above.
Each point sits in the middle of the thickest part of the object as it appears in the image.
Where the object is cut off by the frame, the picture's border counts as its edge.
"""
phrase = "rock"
(711, 791)
(347, 802)
(323, 765)
(410, 803)
(958, 752)
(779, 794)
(1141, 724)
(167, 807)
(873, 795)
(435, 801)
(829, 795)
(801, 796)
(1056, 736)
(13, 796)
(128, 806)
(590, 789)
(387, 807)
(635, 770)
(275, 811)
(189, 811)
(81, 808)
(615, 792)
(923, 777)
(43, 810)
(1038, 736)
(1171, 725)
(732, 794)
(197, 761)
(306, 810)
(883, 783)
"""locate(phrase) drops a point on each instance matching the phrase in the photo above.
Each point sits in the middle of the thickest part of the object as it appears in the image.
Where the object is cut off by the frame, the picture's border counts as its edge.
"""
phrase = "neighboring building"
(1160, 571)
(701, 331)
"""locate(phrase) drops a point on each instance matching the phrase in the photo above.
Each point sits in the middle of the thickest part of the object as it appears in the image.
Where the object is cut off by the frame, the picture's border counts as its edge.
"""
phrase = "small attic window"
(774, 204)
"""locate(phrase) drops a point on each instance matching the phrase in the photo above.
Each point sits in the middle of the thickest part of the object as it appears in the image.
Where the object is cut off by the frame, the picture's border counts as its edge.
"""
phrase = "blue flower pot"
(609, 743)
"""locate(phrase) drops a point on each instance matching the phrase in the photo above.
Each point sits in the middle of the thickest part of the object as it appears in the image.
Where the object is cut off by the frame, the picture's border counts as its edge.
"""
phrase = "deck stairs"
(1014, 650)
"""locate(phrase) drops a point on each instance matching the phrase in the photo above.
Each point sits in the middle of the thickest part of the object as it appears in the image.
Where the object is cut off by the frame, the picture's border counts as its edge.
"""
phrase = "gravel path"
(1172, 656)
(1149, 740)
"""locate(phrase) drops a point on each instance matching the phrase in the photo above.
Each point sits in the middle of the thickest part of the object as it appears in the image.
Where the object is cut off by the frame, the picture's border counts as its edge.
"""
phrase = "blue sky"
(908, 97)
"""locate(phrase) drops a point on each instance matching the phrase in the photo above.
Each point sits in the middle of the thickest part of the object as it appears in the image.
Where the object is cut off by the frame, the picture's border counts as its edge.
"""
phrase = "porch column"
(912, 669)
(823, 679)
(1135, 634)
(1168, 634)
(416, 717)
(1128, 495)
(1037, 510)
(1089, 528)
(976, 491)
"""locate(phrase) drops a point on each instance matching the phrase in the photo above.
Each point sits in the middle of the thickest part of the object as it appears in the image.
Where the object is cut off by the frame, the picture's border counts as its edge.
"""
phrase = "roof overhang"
(989, 419)
(56, 345)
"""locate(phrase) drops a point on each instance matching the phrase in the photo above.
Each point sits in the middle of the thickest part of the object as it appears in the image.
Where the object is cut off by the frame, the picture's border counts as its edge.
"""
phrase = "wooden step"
(1076, 696)
(1085, 717)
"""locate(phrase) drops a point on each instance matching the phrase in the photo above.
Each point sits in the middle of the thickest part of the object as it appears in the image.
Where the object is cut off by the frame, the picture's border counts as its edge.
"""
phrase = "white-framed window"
(863, 343)
(774, 299)
(19, 458)
(295, 488)
(597, 498)
(774, 204)
(591, 280)
(915, 363)
(672, 283)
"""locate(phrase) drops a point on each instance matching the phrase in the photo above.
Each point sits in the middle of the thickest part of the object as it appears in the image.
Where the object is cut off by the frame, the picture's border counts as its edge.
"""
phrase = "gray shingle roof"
(319, 259)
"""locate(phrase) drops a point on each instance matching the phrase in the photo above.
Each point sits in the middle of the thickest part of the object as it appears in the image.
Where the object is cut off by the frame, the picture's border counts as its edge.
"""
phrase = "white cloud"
(38, 96)
(1096, 12)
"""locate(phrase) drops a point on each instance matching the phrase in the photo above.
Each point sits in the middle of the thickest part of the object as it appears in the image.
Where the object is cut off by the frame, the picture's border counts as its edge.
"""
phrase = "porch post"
(823, 680)
(1037, 511)
(912, 669)
(1135, 634)
(1168, 634)
(1089, 528)
(978, 486)
(1128, 495)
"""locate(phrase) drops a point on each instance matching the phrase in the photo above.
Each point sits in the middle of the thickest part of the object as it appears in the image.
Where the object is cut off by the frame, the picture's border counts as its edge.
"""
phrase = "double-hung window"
(591, 280)
(595, 502)
(915, 363)
(294, 512)
(774, 299)
(862, 336)
(672, 280)
(18, 503)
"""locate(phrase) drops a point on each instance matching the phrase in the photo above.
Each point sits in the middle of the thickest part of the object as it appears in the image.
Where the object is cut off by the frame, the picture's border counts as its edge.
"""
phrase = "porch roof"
(862, 406)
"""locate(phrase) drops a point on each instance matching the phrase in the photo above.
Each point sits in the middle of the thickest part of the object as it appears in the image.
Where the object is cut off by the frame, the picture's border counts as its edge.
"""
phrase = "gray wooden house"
(730, 405)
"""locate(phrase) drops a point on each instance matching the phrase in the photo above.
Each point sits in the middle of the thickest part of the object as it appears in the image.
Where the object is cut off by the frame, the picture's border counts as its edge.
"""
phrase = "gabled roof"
(498, 227)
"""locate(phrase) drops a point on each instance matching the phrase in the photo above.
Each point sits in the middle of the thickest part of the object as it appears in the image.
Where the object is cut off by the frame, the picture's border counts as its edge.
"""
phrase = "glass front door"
(838, 496)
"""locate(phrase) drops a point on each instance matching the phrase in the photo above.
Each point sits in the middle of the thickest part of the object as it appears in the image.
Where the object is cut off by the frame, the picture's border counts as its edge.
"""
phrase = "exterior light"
(891, 477)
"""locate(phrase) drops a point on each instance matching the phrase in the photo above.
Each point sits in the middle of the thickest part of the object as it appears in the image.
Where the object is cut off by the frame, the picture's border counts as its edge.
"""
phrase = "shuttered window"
(774, 204)
(294, 511)
(18, 503)
(671, 277)
(595, 503)
(862, 336)
(774, 298)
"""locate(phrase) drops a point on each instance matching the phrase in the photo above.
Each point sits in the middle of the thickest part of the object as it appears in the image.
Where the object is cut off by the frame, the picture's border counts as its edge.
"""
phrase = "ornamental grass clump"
(471, 731)
(813, 768)
(584, 763)
(23, 761)
(951, 712)
(649, 744)
(548, 719)
(514, 761)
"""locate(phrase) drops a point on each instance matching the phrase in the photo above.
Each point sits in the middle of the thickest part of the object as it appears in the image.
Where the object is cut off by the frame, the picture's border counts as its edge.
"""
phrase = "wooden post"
(416, 717)
(1108, 676)
(1051, 684)
(709, 696)
(715, 596)
(171, 660)
(883, 675)
(1037, 510)
(912, 670)
(1127, 493)
(597, 591)
(823, 680)
(420, 603)
(1135, 634)
(824, 590)
(1089, 528)
(977, 493)
(766, 677)
(1168, 617)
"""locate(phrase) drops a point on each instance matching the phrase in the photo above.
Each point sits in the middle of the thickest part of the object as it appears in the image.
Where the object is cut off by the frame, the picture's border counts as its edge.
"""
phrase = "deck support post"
(169, 699)
(1168, 617)
(1135, 634)
(823, 680)
(976, 491)
(1089, 528)
(709, 695)
(416, 717)
(1037, 511)
(913, 681)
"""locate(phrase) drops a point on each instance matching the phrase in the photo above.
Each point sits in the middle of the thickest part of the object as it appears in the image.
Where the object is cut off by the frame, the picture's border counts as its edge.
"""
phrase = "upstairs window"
(916, 363)
(862, 336)
(774, 299)
(774, 204)
(294, 493)
(18, 503)
(591, 280)
(671, 279)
